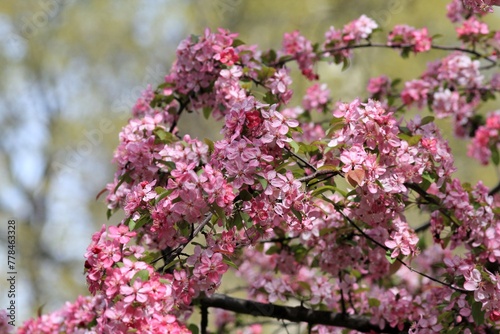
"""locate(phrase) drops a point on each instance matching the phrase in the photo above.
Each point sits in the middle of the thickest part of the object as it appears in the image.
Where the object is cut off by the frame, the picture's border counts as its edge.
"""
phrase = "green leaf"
(332, 168)
(228, 261)
(346, 63)
(299, 252)
(124, 178)
(237, 42)
(477, 313)
(304, 285)
(245, 195)
(134, 225)
(39, 311)
(219, 212)
(170, 164)
(273, 250)
(388, 256)
(270, 98)
(323, 189)
(263, 182)
(194, 329)
(454, 330)
(297, 214)
(148, 257)
(142, 274)
(206, 112)
(373, 302)
(295, 146)
(411, 140)
(495, 156)
(194, 38)
(171, 264)
(265, 72)
(395, 82)
(427, 120)
(210, 144)
(164, 136)
(163, 194)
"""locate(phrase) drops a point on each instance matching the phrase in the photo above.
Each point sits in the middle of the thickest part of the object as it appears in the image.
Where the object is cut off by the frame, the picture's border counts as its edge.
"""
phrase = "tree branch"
(494, 190)
(318, 173)
(295, 314)
(305, 162)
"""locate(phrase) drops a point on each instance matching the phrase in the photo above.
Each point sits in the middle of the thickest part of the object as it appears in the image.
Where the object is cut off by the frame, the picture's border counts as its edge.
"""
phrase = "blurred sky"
(70, 73)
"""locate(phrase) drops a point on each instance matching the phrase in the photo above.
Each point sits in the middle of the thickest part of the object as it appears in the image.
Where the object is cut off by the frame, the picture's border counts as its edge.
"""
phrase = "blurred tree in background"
(70, 74)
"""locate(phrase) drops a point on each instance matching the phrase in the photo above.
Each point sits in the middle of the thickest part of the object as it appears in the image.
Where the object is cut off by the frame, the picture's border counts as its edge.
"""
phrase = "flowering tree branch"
(303, 210)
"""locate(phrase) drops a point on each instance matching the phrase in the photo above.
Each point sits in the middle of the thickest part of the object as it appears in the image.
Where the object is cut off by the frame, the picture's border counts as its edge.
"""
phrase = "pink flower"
(479, 6)
(379, 86)
(121, 233)
(472, 30)
(317, 96)
(359, 29)
(138, 292)
(409, 38)
(297, 46)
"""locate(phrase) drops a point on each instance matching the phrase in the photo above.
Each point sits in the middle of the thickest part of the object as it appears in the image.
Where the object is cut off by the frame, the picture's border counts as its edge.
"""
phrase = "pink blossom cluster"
(352, 33)
(481, 5)
(72, 318)
(300, 48)
(316, 98)
(472, 30)
(198, 63)
(456, 11)
(379, 87)
(452, 87)
(484, 285)
(409, 38)
(486, 139)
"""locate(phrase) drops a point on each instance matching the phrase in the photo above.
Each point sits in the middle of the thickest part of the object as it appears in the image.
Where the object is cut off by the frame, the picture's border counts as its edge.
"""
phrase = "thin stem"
(342, 300)
(451, 286)
(423, 227)
(401, 46)
(177, 251)
(494, 190)
(318, 173)
(301, 159)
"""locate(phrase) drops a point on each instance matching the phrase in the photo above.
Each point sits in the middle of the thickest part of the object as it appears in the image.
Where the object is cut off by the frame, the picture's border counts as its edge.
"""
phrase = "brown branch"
(296, 314)
(318, 173)
(423, 227)
(494, 190)
(305, 162)
(204, 319)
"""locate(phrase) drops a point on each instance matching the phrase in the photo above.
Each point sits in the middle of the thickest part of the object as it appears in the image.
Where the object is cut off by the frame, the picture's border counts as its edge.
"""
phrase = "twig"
(494, 190)
(402, 46)
(318, 173)
(177, 251)
(301, 159)
(451, 286)
(423, 227)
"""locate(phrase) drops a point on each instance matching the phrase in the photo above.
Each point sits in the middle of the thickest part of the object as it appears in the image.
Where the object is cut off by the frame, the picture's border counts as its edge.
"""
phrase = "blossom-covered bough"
(308, 204)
